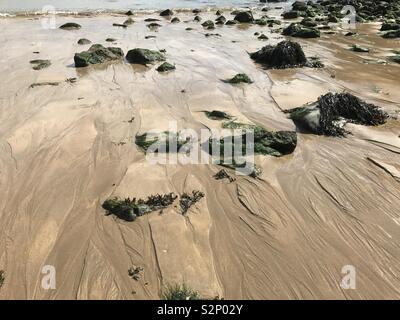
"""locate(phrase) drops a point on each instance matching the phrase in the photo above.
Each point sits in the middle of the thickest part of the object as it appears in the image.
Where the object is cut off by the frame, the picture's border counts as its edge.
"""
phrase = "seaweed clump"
(188, 200)
(129, 209)
(333, 110)
(135, 272)
(2, 277)
(180, 292)
(222, 174)
(286, 54)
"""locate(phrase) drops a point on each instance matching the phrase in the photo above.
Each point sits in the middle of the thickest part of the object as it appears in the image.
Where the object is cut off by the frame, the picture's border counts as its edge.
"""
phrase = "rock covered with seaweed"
(332, 111)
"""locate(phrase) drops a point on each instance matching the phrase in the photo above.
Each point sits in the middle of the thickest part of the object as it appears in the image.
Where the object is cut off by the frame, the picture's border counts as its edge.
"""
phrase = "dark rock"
(144, 56)
(153, 25)
(286, 54)
(175, 20)
(296, 30)
(217, 115)
(166, 67)
(166, 13)
(208, 24)
(70, 26)
(231, 22)
(197, 18)
(291, 15)
(84, 41)
(244, 17)
(129, 21)
(97, 54)
(120, 25)
(111, 40)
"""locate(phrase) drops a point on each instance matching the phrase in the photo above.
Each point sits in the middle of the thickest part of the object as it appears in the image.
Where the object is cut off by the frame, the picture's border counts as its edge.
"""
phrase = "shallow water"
(81, 5)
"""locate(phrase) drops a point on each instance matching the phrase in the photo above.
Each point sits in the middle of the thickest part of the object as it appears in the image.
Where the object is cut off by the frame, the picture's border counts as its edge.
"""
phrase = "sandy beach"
(68, 145)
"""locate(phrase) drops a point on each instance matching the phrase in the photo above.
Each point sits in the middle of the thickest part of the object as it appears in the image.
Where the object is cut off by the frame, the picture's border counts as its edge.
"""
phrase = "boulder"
(84, 41)
(70, 26)
(296, 30)
(97, 54)
(166, 67)
(286, 54)
(244, 17)
(166, 13)
(144, 56)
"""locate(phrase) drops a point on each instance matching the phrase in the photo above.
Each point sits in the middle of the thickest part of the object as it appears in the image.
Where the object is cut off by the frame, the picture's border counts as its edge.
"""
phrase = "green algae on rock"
(39, 64)
(129, 209)
(166, 66)
(97, 54)
(239, 78)
(298, 31)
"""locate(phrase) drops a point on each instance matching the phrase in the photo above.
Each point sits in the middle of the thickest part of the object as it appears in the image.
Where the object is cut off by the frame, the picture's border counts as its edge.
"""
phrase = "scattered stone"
(220, 20)
(97, 54)
(213, 35)
(144, 56)
(208, 24)
(120, 25)
(129, 13)
(151, 20)
(70, 26)
(39, 64)
(166, 67)
(291, 15)
(231, 22)
(244, 17)
(84, 41)
(357, 48)
(111, 40)
(153, 25)
(239, 78)
(332, 111)
(262, 37)
(129, 21)
(166, 13)
(296, 30)
(217, 115)
(175, 20)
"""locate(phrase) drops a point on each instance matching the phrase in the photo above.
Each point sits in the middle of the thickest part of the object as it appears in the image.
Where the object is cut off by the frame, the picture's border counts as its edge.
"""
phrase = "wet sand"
(67, 148)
